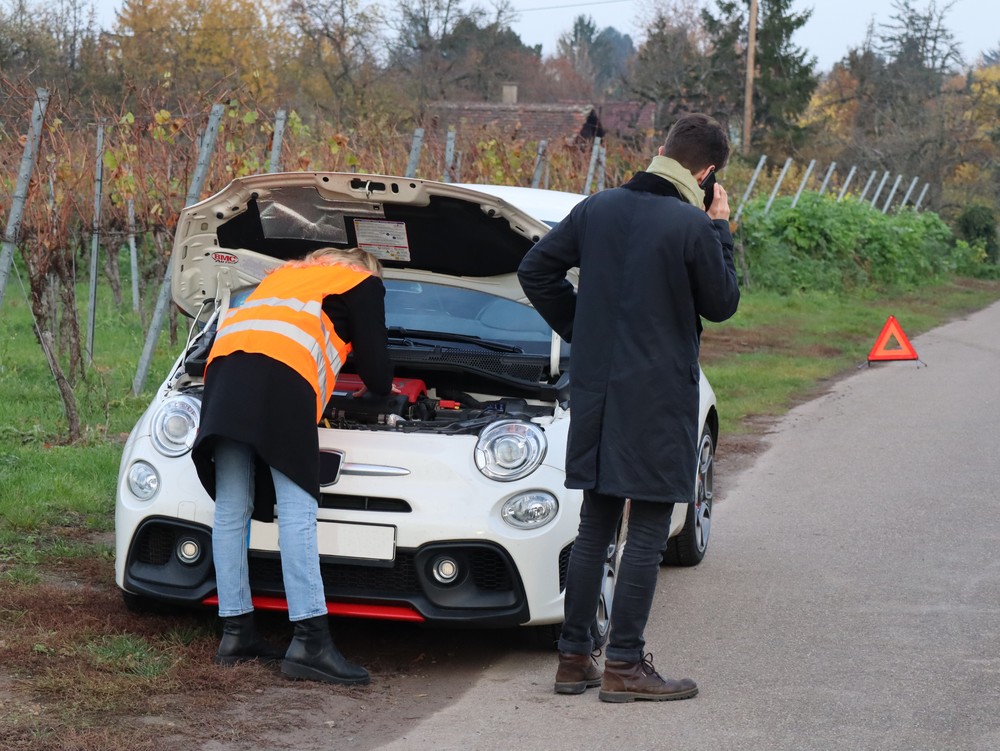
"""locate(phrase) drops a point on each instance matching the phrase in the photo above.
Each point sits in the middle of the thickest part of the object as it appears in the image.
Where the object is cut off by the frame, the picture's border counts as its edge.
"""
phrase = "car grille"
(155, 544)
(363, 503)
(489, 572)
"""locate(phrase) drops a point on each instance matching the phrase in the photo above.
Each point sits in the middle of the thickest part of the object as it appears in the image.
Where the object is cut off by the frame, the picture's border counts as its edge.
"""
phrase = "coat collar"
(647, 182)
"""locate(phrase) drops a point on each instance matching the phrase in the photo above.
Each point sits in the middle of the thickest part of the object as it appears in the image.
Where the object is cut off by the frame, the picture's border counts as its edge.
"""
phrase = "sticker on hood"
(383, 239)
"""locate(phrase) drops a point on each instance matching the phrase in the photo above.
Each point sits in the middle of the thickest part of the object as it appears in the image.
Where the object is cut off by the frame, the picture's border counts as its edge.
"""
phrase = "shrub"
(824, 245)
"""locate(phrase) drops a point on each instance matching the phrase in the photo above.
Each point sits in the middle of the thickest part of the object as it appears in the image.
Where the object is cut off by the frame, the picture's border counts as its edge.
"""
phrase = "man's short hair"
(697, 141)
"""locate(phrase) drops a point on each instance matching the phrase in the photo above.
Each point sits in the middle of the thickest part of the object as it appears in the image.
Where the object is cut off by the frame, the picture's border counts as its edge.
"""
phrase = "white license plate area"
(373, 542)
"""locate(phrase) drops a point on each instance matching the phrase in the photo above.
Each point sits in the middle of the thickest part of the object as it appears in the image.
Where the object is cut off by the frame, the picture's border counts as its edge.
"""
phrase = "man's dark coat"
(650, 265)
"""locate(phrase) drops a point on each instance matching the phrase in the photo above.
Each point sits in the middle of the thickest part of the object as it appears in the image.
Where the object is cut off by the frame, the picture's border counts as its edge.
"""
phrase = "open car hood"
(232, 239)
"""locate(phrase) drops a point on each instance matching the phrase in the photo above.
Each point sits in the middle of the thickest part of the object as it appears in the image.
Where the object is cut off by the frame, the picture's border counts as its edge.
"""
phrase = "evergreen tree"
(785, 77)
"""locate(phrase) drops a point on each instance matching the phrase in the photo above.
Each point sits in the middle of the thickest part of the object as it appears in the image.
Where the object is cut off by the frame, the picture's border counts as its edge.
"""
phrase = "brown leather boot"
(628, 681)
(577, 673)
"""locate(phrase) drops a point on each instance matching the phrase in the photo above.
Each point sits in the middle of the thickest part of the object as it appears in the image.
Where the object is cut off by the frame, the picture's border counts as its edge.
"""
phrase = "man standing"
(652, 262)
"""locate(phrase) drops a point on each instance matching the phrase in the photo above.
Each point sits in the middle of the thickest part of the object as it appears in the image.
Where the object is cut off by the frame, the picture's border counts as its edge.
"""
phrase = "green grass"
(45, 484)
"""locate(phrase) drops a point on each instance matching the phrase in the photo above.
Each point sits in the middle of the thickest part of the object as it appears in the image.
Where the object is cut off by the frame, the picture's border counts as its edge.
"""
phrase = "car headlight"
(143, 480)
(510, 449)
(530, 510)
(175, 424)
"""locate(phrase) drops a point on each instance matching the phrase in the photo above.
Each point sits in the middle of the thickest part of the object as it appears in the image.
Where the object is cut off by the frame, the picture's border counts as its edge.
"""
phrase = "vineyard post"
(881, 184)
(274, 165)
(892, 193)
(594, 151)
(826, 180)
(133, 255)
(536, 178)
(411, 165)
(906, 196)
(920, 198)
(21, 187)
(843, 188)
(206, 147)
(753, 181)
(868, 184)
(781, 177)
(449, 155)
(602, 167)
(805, 179)
(95, 243)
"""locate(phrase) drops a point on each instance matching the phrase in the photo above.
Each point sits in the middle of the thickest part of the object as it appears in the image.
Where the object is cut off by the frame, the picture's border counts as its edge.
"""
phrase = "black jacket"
(650, 266)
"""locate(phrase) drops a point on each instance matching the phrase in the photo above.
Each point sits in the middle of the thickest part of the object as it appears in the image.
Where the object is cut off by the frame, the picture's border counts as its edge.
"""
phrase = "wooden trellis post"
(802, 185)
(274, 164)
(753, 181)
(541, 158)
(594, 151)
(207, 145)
(826, 180)
(95, 244)
(843, 188)
(781, 177)
(21, 188)
(411, 165)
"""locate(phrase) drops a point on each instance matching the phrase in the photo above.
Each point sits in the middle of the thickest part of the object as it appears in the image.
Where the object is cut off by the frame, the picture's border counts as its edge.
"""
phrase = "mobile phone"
(708, 185)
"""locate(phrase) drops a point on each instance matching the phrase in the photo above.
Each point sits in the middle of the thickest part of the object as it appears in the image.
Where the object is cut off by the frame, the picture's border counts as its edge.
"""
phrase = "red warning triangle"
(903, 349)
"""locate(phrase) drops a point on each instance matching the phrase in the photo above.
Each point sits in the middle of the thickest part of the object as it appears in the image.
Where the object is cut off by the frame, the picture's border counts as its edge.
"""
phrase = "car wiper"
(399, 333)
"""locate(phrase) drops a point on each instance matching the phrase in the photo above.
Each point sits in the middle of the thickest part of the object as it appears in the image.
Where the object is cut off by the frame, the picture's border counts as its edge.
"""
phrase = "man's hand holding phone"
(716, 198)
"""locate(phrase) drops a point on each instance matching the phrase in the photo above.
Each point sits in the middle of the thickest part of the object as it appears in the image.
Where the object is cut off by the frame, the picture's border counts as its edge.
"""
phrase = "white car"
(443, 504)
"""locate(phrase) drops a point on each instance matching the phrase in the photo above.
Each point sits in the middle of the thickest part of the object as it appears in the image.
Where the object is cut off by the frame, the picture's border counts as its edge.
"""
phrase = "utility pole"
(748, 91)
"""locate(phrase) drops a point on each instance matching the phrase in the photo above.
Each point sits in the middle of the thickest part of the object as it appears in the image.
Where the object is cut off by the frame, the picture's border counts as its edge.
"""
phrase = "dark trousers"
(648, 527)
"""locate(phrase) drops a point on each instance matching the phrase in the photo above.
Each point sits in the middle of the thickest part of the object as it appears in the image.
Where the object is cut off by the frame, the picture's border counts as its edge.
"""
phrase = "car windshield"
(418, 310)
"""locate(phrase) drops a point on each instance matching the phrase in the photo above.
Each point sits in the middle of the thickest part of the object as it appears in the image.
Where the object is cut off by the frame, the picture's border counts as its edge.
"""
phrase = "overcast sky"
(834, 27)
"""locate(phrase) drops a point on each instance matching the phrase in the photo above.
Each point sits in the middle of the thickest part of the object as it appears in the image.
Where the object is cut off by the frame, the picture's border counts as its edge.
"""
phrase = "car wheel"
(601, 627)
(689, 547)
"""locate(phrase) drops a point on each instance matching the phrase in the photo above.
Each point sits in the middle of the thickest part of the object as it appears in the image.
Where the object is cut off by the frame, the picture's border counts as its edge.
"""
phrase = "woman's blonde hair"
(356, 257)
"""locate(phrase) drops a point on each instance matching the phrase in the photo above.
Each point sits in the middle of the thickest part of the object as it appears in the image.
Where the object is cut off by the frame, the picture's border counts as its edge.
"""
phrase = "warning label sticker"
(383, 239)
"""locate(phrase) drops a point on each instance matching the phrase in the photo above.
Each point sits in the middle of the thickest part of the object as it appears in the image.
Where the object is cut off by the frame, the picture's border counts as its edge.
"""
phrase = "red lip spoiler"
(344, 609)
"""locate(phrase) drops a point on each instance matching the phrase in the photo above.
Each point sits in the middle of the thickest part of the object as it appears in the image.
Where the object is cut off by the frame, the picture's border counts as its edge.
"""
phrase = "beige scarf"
(672, 171)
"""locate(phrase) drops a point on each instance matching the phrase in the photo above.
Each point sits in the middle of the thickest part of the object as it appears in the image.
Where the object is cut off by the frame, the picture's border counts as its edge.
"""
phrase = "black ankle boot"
(240, 643)
(312, 656)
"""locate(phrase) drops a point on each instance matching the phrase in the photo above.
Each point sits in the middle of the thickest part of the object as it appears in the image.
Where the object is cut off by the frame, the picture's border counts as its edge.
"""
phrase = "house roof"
(552, 122)
(561, 122)
(627, 117)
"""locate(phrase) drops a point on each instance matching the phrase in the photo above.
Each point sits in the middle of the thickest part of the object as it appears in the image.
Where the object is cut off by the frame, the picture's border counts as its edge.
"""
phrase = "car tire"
(601, 627)
(689, 547)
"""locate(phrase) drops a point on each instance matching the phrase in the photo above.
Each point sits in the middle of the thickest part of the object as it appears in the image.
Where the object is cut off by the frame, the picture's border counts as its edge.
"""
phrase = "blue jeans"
(234, 481)
(648, 528)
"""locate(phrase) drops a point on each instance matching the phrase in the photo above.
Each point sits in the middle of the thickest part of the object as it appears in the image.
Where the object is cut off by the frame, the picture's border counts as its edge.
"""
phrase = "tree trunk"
(38, 279)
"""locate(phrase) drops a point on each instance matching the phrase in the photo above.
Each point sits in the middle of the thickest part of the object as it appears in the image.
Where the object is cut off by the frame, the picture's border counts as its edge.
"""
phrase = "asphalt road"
(850, 598)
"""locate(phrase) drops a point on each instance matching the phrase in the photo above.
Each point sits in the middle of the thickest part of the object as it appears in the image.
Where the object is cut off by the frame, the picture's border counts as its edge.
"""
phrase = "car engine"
(413, 409)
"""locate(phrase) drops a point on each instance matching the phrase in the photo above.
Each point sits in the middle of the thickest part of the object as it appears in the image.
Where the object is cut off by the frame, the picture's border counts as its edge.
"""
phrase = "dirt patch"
(81, 672)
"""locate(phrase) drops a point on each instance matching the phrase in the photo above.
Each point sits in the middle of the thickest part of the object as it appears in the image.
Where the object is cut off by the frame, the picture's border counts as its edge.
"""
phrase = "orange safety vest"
(283, 318)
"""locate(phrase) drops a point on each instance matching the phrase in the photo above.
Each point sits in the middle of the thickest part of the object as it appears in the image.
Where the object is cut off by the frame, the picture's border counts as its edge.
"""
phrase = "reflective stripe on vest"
(284, 319)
